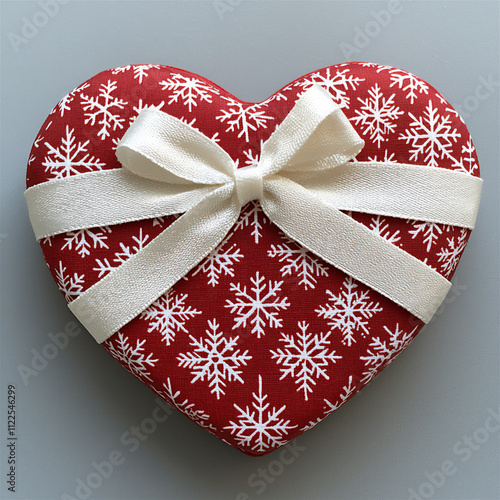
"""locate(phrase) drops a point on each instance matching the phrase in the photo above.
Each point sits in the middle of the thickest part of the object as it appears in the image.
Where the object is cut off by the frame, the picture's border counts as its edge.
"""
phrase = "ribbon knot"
(305, 180)
(249, 184)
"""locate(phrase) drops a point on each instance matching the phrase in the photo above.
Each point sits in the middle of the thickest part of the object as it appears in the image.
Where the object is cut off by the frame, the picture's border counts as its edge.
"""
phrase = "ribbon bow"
(304, 179)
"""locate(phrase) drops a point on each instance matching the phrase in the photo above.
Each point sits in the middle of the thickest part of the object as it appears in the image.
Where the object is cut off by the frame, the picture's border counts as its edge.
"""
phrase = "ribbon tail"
(111, 197)
(353, 248)
(397, 190)
(125, 292)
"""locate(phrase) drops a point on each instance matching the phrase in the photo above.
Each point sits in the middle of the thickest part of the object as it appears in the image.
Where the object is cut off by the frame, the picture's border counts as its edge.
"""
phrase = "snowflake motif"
(38, 140)
(377, 115)
(85, 239)
(450, 254)
(466, 163)
(259, 426)
(68, 158)
(71, 287)
(381, 353)
(253, 216)
(133, 357)
(430, 135)
(279, 96)
(243, 117)
(198, 416)
(168, 315)
(140, 106)
(31, 159)
(260, 307)
(104, 266)
(188, 90)
(382, 228)
(305, 357)
(140, 70)
(220, 261)
(388, 158)
(298, 261)
(214, 359)
(349, 311)
(409, 83)
(252, 160)
(347, 391)
(429, 231)
(64, 104)
(105, 110)
(338, 85)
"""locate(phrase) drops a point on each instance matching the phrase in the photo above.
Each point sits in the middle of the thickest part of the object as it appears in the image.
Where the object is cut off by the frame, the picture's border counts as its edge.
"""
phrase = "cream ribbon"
(304, 178)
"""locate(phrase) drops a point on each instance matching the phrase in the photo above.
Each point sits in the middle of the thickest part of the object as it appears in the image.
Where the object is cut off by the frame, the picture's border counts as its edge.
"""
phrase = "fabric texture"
(262, 339)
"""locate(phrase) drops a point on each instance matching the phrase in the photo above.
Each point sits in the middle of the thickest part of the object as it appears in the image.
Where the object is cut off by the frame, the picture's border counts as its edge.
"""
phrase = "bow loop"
(161, 147)
(315, 135)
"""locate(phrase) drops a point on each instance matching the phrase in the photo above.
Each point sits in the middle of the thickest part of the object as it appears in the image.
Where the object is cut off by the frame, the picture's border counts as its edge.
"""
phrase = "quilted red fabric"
(262, 340)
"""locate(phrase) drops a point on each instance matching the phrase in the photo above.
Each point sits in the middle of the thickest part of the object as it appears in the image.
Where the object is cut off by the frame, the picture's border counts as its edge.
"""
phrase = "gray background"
(407, 422)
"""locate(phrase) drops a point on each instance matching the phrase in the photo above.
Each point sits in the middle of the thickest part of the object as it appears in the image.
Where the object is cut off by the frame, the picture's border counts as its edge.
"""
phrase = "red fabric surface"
(262, 340)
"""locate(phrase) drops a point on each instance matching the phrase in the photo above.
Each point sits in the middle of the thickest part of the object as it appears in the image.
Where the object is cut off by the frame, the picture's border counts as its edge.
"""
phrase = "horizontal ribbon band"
(305, 176)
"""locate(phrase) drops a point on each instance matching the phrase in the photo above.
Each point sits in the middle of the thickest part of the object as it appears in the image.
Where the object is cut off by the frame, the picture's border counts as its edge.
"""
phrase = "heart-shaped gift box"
(258, 337)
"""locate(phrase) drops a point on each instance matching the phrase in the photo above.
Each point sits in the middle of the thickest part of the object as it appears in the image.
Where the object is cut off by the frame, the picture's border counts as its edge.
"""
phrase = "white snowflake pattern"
(214, 359)
(70, 286)
(168, 315)
(466, 163)
(85, 239)
(381, 352)
(450, 254)
(133, 357)
(220, 262)
(338, 85)
(189, 409)
(243, 117)
(260, 426)
(305, 357)
(347, 391)
(253, 216)
(379, 226)
(388, 158)
(429, 231)
(140, 106)
(252, 159)
(188, 90)
(258, 306)
(298, 261)
(377, 115)
(104, 266)
(408, 83)
(64, 104)
(140, 70)
(430, 135)
(103, 109)
(68, 158)
(349, 311)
